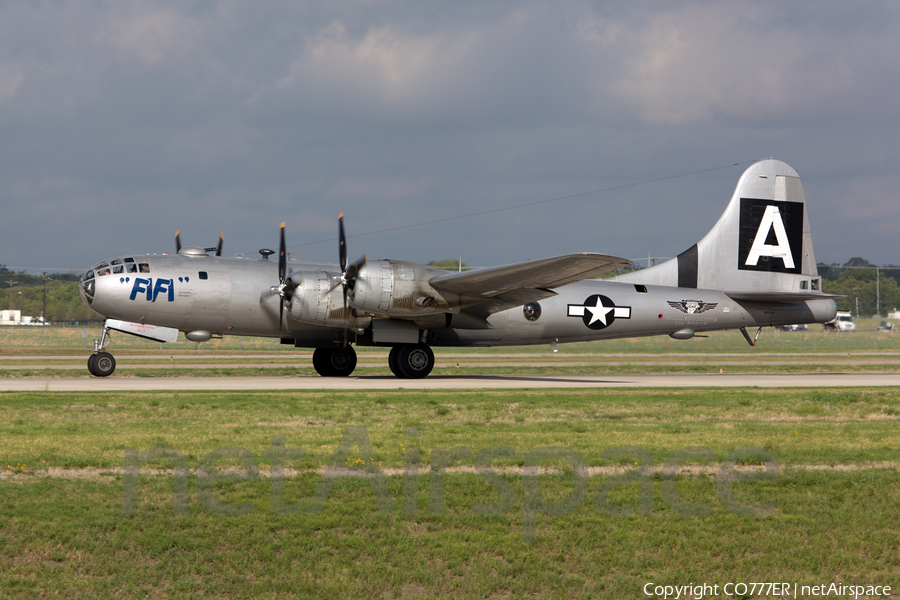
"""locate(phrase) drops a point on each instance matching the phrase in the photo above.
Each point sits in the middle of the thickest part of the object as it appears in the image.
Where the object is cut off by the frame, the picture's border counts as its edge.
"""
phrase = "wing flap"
(508, 300)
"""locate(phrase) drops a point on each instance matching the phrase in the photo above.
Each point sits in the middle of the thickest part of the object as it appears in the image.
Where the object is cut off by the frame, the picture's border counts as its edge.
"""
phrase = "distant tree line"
(24, 292)
(858, 279)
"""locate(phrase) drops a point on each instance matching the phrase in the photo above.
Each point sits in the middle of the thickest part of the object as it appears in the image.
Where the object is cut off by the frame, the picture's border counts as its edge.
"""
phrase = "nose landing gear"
(101, 363)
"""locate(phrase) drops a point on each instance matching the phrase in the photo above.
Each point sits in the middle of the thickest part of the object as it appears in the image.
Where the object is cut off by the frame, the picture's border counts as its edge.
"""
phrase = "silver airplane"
(755, 268)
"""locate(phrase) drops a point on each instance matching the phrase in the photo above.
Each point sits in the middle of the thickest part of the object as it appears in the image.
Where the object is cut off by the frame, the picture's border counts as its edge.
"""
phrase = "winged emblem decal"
(693, 307)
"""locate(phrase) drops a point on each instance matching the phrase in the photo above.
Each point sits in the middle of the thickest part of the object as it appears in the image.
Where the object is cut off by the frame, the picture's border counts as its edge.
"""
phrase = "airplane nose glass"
(86, 286)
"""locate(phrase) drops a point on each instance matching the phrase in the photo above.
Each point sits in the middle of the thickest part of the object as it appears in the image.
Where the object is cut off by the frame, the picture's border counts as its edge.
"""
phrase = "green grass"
(64, 531)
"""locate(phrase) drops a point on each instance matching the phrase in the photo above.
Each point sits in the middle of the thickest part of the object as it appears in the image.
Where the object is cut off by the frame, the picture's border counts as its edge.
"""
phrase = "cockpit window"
(115, 261)
(99, 266)
(118, 269)
(89, 274)
(129, 260)
(145, 268)
(130, 267)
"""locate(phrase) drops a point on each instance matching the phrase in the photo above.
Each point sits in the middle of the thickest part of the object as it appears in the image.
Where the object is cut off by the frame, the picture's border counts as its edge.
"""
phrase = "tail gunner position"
(755, 268)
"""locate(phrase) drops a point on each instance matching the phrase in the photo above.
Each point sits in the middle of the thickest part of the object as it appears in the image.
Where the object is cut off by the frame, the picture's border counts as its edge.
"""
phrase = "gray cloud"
(123, 122)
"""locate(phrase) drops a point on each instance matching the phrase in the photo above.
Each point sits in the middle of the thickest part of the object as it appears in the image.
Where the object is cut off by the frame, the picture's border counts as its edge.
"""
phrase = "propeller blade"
(282, 268)
(282, 258)
(177, 242)
(221, 241)
(342, 243)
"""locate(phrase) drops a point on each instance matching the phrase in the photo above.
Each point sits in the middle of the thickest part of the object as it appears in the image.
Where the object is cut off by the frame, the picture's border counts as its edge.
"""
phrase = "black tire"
(90, 364)
(392, 361)
(104, 364)
(414, 361)
(329, 362)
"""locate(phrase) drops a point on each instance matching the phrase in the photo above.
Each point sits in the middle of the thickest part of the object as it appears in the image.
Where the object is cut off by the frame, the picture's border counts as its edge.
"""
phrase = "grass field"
(404, 515)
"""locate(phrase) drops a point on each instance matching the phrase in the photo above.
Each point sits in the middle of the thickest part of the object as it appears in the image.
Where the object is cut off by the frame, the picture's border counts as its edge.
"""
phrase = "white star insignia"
(599, 312)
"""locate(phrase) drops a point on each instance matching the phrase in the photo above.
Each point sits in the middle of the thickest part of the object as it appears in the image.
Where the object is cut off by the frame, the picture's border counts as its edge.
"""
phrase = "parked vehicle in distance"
(887, 326)
(800, 327)
(842, 322)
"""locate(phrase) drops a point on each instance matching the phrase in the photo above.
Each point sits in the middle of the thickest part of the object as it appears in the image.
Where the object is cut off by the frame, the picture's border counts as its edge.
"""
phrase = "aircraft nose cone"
(87, 287)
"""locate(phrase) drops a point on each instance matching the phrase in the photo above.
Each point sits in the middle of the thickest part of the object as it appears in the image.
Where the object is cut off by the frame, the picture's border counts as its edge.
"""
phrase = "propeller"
(217, 249)
(349, 272)
(286, 286)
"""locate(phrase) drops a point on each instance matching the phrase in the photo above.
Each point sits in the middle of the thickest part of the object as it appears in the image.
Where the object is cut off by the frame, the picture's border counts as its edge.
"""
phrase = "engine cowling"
(398, 289)
(313, 303)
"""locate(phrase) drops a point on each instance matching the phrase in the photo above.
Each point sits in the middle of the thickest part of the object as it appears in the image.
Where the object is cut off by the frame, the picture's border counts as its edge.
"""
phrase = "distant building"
(894, 314)
(10, 317)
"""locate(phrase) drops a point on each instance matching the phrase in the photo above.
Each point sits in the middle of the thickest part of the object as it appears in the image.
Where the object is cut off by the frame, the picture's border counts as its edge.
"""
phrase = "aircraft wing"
(513, 285)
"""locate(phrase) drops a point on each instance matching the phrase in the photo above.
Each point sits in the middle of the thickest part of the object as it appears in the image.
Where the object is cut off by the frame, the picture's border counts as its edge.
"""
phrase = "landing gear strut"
(411, 361)
(101, 363)
(330, 362)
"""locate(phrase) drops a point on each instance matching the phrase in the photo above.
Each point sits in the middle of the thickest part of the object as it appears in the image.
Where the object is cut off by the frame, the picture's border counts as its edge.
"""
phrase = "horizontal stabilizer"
(781, 297)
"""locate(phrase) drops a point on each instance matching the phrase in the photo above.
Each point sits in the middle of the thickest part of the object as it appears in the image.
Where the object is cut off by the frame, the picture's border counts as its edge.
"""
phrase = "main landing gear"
(330, 362)
(101, 363)
(407, 361)
(411, 361)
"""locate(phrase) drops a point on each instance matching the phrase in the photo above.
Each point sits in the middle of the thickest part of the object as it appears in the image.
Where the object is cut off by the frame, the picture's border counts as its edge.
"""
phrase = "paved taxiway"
(118, 384)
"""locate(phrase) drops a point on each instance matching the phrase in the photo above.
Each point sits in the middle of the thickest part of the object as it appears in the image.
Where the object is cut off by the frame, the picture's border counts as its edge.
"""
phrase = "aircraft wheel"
(334, 363)
(90, 364)
(392, 361)
(104, 364)
(414, 361)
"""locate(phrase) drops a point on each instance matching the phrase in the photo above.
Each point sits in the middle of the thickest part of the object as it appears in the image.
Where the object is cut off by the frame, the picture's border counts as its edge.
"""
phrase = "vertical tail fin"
(761, 243)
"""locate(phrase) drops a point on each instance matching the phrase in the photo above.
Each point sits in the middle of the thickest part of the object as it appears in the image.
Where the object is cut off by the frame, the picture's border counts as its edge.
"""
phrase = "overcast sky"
(124, 121)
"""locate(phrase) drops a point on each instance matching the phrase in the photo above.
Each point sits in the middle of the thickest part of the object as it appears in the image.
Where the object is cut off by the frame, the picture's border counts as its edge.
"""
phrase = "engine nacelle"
(398, 289)
(313, 303)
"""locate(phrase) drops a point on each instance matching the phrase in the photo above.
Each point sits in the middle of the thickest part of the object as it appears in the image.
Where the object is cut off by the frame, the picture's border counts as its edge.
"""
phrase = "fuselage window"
(640, 289)
(815, 284)
(804, 284)
(203, 275)
(145, 268)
